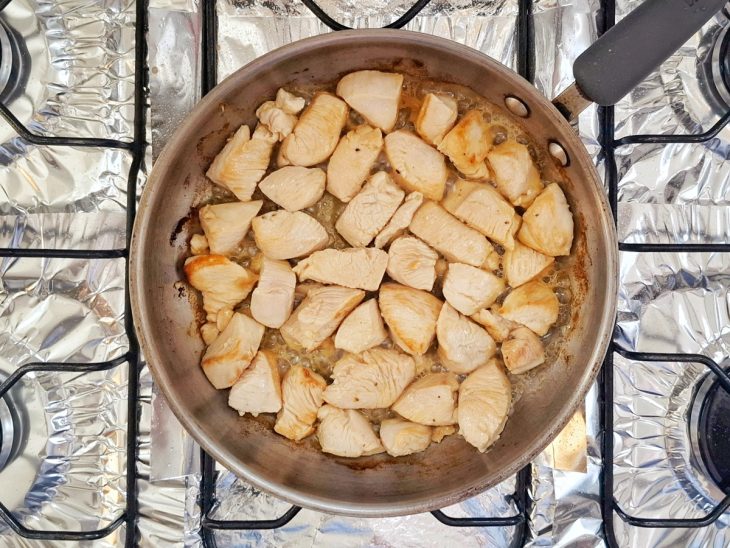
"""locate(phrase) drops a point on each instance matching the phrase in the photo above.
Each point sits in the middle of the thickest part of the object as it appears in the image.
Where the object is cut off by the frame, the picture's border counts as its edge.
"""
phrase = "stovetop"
(90, 92)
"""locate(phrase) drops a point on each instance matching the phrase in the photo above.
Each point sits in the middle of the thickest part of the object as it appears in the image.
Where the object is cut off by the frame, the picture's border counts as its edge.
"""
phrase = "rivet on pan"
(516, 106)
(557, 151)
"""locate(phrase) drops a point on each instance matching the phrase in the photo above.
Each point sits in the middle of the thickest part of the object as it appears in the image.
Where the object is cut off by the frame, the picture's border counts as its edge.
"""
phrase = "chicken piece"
(481, 207)
(533, 305)
(280, 116)
(411, 316)
(319, 315)
(294, 187)
(362, 329)
(485, 397)
(273, 299)
(258, 389)
(449, 236)
(222, 282)
(371, 380)
(209, 332)
(352, 161)
(523, 264)
(463, 345)
(412, 263)
(199, 245)
(288, 102)
(301, 395)
(469, 289)
(370, 210)
(498, 327)
(285, 235)
(317, 132)
(438, 433)
(226, 225)
(547, 225)
(430, 400)
(436, 117)
(374, 94)
(467, 145)
(232, 351)
(243, 161)
(355, 267)
(346, 433)
(400, 220)
(222, 318)
(419, 166)
(515, 174)
(401, 437)
(522, 351)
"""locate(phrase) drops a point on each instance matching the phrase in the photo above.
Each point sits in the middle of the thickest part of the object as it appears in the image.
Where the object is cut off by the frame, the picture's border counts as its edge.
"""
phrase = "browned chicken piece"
(243, 161)
(319, 315)
(547, 225)
(430, 400)
(280, 116)
(371, 380)
(485, 397)
(294, 187)
(523, 264)
(317, 132)
(286, 235)
(449, 236)
(273, 299)
(469, 289)
(223, 317)
(209, 332)
(481, 207)
(467, 145)
(232, 351)
(369, 211)
(356, 267)
(498, 327)
(515, 173)
(533, 305)
(352, 161)
(418, 166)
(301, 395)
(436, 117)
(226, 225)
(522, 351)
(346, 433)
(199, 245)
(411, 316)
(463, 345)
(401, 437)
(400, 220)
(222, 282)
(374, 94)
(258, 389)
(440, 432)
(362, 329)
(412, 263)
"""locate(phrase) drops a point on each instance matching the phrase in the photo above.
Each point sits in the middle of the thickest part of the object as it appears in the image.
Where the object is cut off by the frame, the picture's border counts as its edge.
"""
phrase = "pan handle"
(628, 52)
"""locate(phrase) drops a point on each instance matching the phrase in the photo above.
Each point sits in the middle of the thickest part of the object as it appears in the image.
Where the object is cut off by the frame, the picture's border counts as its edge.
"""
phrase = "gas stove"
(89, 451)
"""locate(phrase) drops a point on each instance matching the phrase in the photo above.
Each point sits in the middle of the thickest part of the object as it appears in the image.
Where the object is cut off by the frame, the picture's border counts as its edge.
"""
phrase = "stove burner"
(13, 59)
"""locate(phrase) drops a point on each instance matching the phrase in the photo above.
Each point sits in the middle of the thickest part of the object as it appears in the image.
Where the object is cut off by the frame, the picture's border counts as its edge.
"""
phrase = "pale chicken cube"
(418, 166)
(362, 329)
(352, 161)
(294, 187)
(319, 315)
(515, 174)
(223, 317)
(243, 161)
(371, 380)
(547, 225)
(533, 305)
(412, 263)
(449, 236)
(430, 400)
(301, 398)
(410, 315)
(287, 235)
(436, 117)
(199, 245)
(209, 332)
(523, 264)
(498, 327)
(401, 437)
(232, 351)
(226, 225)
(463, 345)
(438, 433)
(346, 433)
(288, 102)
(485, 397)
(467, 145)
(258, 389)
(400, 220)
(469, 289)
(355, 267)
(522, 351)
(370, 210)
(222, 282)
(374, 94)
(273, 299)
(481, 207)
(280, 116)
(317, 132)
